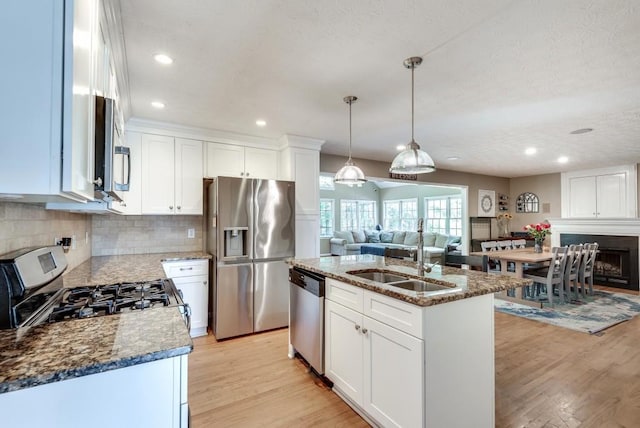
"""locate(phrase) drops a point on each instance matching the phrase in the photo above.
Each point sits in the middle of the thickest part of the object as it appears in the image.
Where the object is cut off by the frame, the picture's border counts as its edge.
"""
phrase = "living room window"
(326, 182)
(327, 217)
(357, 215)
(401, 214)
(444, 214)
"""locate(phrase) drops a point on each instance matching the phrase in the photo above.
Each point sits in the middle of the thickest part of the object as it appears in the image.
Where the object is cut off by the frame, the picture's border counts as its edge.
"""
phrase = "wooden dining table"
(519, 257)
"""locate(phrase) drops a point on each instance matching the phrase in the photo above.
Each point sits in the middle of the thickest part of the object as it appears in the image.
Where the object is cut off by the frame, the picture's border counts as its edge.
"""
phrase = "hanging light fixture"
(350, 174)
(412, 160)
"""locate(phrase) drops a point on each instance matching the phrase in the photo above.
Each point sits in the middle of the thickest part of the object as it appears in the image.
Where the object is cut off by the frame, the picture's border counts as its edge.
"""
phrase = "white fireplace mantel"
(590, 226)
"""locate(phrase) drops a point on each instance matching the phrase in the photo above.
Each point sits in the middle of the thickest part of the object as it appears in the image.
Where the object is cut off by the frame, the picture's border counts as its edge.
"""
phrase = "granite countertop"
(63, 350)
(468, 283)
(130, 267)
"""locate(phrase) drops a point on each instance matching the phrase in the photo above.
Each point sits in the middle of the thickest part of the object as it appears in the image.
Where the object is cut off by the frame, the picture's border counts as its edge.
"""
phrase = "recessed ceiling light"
(453, 158)
(530, 151)
(261, 122)
(563, 159)
(400, 147)
(581, 131)
(157, 104)
(163, 59)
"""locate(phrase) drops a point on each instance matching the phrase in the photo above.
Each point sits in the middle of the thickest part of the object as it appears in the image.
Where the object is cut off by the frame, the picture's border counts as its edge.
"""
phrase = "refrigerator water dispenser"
(235, 242)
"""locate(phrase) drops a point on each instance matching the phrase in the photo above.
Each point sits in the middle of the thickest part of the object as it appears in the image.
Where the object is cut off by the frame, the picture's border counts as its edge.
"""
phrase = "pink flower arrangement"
(539, 231)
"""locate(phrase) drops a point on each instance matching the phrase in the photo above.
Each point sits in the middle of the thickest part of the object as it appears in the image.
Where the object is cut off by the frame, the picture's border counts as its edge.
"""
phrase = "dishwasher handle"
(311, 282)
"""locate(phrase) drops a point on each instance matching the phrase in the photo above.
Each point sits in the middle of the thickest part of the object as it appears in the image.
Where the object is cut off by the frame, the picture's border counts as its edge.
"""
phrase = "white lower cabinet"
(148, 395)
(393, 374)
(377, 367)
(191, 277)
(402, 365)
(344, 350)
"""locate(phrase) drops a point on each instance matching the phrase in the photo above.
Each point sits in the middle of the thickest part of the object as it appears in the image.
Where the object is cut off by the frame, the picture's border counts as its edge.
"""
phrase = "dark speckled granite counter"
(131, 267)
(464, 283)
(63, 350)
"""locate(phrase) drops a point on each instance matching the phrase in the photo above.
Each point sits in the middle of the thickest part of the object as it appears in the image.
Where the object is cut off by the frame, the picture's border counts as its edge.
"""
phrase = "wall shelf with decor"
(503, 203)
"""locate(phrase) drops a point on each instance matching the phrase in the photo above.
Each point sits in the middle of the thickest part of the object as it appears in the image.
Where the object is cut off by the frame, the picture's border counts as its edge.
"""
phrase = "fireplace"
(617, 260)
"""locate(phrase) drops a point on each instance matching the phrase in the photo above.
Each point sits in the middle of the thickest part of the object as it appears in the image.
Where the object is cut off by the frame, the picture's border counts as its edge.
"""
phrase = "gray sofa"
(346, 243)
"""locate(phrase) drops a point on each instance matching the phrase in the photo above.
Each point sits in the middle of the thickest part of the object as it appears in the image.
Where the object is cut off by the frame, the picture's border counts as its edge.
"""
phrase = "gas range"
(31, 292)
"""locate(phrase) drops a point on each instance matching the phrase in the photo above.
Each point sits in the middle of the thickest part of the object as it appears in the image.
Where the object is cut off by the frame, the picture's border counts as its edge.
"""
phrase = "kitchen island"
(126, 369)
(401, 357)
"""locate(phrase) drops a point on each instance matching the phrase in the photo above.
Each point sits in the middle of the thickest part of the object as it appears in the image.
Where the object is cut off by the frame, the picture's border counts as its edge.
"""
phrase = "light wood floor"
(546, 376)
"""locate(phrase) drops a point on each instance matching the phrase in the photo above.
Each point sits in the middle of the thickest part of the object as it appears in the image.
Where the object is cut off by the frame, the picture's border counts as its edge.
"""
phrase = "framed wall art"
(486, 203)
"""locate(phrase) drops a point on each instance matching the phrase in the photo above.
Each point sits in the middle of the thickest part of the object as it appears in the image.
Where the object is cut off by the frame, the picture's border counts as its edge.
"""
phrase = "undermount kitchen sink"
(404, 282)
(417, 285)
(377, 276)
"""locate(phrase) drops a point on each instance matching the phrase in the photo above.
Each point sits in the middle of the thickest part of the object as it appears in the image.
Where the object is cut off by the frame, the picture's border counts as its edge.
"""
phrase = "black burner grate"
(86, 302)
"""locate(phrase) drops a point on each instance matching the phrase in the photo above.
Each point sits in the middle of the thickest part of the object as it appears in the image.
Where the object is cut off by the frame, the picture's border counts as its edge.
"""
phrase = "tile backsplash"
(27, 225)
(115, 235)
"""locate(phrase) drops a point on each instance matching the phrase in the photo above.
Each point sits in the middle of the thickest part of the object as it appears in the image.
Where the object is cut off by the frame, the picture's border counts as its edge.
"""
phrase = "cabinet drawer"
(186, 268)
(393, 312)
(345, 294)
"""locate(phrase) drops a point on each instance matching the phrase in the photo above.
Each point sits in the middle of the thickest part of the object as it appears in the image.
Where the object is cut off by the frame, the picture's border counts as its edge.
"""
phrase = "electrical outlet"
(73, 242)
(191, 233)
(55, 241)
(86, 237)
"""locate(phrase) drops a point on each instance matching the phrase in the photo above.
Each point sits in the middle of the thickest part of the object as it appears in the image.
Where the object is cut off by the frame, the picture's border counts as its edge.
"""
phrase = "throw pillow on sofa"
(359, 236)
(411, 238)
(386, 237)
(429, 239)
(398, 237)
(347, 236)
(373, 236)
(441, 240)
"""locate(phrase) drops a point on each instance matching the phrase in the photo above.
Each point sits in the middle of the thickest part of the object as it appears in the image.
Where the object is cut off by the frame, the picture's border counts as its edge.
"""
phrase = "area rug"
(593, 315)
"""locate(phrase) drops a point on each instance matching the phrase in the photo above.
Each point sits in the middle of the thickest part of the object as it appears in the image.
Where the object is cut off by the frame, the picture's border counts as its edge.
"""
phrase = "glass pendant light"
(350, 174)
(412, 160)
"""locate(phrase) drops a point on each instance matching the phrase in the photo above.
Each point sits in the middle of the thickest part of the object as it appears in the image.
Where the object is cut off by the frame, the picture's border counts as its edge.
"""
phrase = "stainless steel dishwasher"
(306, 325)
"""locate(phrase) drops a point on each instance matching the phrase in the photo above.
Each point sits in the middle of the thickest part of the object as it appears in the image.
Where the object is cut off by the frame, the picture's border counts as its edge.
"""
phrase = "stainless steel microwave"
(112, 160)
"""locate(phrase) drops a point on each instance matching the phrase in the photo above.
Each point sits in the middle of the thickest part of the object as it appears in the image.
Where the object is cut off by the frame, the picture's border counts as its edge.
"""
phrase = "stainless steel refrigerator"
(250, 234)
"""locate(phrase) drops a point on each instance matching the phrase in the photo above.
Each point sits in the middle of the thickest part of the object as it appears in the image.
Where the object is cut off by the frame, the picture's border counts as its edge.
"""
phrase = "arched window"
(527, 202)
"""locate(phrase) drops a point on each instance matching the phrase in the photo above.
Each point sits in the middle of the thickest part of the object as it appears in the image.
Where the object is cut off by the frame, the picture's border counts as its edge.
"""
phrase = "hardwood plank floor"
(546, 376)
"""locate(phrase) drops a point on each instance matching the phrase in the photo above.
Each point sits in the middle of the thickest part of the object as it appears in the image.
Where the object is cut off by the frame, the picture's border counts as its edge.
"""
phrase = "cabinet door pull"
(178, 207)
(247, 174)
(364, 331)
(170, 207)
(357, 327)
(187, 268)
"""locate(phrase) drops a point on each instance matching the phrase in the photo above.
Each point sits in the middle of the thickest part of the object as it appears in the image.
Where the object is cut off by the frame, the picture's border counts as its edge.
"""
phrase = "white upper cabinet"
(601, 193)
(188, 170)
(47, 110)
(229, 160)
(171, 175)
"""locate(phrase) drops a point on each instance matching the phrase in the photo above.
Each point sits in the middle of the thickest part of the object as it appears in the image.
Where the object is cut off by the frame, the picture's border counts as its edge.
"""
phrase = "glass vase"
(538, 245)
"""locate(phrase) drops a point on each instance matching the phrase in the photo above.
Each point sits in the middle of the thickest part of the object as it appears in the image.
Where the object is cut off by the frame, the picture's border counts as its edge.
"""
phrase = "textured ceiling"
(498, 76)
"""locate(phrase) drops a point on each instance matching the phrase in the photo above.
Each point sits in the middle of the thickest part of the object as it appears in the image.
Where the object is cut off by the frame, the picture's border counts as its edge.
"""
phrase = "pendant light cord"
(350, 129)
(413, 67)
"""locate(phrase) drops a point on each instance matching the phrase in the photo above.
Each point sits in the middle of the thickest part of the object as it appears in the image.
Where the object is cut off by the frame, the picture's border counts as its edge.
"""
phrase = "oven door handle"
(187, 315)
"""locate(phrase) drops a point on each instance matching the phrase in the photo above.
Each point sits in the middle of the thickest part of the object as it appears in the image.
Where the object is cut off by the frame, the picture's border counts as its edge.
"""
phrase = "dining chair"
(572, 270)
(518, 243)
(488, 246)
(505, 245)
(552, 275)
(586, 269)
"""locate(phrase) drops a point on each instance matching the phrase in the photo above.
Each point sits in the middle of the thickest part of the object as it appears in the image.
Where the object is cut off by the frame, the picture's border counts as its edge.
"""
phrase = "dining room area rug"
(591, 315)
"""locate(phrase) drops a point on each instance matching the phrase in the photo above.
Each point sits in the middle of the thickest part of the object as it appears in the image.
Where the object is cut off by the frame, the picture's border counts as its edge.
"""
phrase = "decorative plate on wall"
(486, 203)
